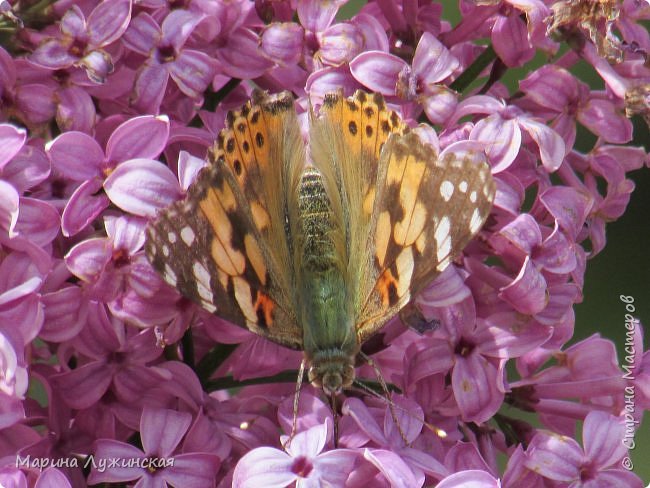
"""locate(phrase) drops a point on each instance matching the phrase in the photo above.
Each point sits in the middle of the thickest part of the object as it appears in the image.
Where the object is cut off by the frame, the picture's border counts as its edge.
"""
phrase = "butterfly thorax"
(328, 321)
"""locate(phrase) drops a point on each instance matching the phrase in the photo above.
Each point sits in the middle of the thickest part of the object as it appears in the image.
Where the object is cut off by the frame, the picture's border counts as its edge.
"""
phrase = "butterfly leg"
(384, 386)
(296, 402)
(335, 415)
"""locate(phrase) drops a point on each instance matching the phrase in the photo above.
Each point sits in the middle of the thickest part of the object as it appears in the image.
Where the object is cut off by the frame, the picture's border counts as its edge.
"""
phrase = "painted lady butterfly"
(319, 256)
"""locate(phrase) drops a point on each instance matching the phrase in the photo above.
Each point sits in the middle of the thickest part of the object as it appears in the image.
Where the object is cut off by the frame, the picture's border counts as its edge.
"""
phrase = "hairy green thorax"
(325, 310)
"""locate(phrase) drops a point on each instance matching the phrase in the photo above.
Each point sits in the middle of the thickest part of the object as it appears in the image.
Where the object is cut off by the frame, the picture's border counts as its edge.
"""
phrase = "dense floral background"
(107, 375)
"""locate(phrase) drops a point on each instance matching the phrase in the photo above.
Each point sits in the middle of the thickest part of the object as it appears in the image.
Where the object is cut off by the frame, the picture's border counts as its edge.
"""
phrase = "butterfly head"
(332, 371)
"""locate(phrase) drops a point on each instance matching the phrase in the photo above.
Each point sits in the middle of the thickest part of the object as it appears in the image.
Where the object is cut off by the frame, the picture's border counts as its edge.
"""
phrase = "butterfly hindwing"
(226, 246)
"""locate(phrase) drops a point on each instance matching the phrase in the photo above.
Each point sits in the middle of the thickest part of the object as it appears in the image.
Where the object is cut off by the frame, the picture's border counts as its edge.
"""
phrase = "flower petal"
(76, 109)
(241, 57)
(11, 140)
(283, 42)
(76, 155)
(38, 221)
(432, 61)
(142, 186)
(194, 470)
(396, 471)
(52, 477)
(554, 456)
(82, 387)
(192, 71)
(603, 436)
(378, 71)
(27, 169)
(85, 204)
(475, 381)
(470, 479)
(108, 21)
(150, 86)
(139, 137)
(551, 145)
(188, 168)
(143, 33)
(87, 259)
(527, 292)
(65, 314)
(107, 450)
(178, 26)
(9, 203)
(162, 430)
(264, 466)
(52, 54)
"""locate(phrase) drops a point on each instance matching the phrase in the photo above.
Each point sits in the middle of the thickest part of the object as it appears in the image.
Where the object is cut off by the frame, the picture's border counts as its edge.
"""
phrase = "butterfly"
(317, 248)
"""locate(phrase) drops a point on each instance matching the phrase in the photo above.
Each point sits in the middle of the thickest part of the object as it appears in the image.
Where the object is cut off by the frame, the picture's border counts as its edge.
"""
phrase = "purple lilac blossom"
(101, 360)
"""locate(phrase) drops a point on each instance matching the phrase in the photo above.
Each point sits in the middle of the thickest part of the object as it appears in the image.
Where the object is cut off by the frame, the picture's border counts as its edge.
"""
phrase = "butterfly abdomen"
(318, 253)
(323, 306)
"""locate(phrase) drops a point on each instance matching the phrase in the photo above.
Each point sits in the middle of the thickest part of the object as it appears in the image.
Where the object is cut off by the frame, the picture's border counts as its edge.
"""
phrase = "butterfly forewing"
(427, 210)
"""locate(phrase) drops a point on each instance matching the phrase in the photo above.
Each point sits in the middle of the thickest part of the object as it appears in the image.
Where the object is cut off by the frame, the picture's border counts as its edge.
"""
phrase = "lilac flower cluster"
(108, 375)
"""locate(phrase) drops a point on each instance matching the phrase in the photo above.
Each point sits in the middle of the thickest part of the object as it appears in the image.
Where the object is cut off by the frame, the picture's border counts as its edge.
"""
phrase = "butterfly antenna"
(296, 402)
(391, 405)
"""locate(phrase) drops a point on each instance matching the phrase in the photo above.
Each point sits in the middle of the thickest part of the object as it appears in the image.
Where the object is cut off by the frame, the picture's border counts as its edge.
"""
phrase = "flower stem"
(187, 343)
(229, 382)
(474, 70)
(213, 99)
(212, 360)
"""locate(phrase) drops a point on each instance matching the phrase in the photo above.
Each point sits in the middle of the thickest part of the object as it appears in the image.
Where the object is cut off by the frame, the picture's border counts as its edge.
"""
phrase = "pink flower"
(395, 457)
(119, 362)
(79, 157)
(158, 464)
(80, 42)
(557, 91)
(391, 75)
(303, 463)
(167, 56)
(502, 130)
(562, 459)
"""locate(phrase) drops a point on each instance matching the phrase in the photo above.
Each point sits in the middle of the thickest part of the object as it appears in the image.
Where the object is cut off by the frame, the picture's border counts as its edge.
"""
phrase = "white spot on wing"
(171, 237)
(472, 197)
(446, 190)
(202, 282)
(443, 264)
(187, 234)
(170, 276)
(443, 238)
(243, 297)
(165, 250)
(476, 222)
(462, 186)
